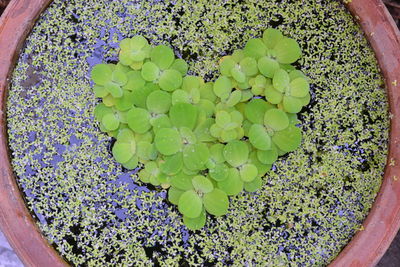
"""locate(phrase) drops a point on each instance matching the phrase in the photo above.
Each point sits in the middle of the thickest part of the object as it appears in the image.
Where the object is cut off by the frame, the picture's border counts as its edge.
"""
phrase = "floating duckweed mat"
(96, 213)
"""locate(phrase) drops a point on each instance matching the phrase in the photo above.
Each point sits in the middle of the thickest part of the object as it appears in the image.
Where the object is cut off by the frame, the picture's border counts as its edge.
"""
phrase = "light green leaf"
(248, 172)
(233, 185)
(183, 115)
(195, 156)
(168, 141)
(170, 80)
(276, 119)
(289, 139)
(195, 223)
(172, 165)
(139, 120)
(110, 121)
(259, 138)
(236, 153)
(158, 101)
(271, 37)
(101, 74)
(216, 202)
(190, 204)
(150, 71)
(281, 80)
(287, 51)
(268, 66)
(163, 56)
(202, 184)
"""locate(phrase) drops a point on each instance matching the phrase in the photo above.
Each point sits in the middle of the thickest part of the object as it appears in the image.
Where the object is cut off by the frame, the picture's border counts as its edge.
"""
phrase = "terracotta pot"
(367, 246)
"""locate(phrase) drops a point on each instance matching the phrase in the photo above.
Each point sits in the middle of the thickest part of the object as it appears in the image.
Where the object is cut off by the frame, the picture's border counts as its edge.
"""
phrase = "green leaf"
(249, 66)
(132, 163)
(126, 136)
(110, 121)
(248, 172)
(254, 185)
(294, 74)
(299, 87)
(207, 92)
(276, 119)
(233, 185)
(268, 66)
(228, 135)
(236, 153)
(180, 96)
(234, 98)
(195, 223)
(216, 202)
(139, 96)
(119, 77)
(222, 87)
(100, 110)
(281, 80)
(219, 172)
(135, 81)
(271, 37)
(238, 55)
(190, 204)
(183, 115)
(139, 120)
(168, 141)
(255, 110)
(180, 65)
(222, 118)
(150, 71)
(202, 184)
(273, 96)
(146, 151)
(202, 131)
(207, 106)
(101, 74)
(259, 138)
(123, 152)
(182, 181)
(287, 51)
(174, 194)
(163, 56)
(216, 153)
(170, 80)
(172, 165)
(100, 91)
(255, 48)
(238, 75)
(226, 64)
(261, 167)
(114, 89)
(160, 121)
(267, 156)
(195, 156)
(124, 103)
(188, 137)
(292, 104)
(158, 102)
(289, 139)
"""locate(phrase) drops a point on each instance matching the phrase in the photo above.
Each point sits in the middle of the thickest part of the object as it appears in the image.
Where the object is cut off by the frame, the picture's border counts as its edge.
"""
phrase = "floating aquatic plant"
(202, 141)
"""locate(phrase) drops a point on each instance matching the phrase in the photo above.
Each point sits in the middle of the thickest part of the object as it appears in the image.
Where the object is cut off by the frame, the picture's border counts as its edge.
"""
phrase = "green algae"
(312, 202)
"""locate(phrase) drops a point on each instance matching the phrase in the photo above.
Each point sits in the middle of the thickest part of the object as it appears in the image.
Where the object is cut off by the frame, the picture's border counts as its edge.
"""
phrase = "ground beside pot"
(95, 211)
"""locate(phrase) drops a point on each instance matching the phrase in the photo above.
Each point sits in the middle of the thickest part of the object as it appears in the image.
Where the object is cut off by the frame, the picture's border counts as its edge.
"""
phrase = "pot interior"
(95, 212)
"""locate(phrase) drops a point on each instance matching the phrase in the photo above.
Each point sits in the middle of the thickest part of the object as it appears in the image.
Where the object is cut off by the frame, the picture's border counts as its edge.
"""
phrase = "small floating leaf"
(190, 204)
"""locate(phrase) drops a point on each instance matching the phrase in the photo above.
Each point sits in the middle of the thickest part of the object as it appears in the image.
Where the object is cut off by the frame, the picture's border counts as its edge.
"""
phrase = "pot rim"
(366, 247)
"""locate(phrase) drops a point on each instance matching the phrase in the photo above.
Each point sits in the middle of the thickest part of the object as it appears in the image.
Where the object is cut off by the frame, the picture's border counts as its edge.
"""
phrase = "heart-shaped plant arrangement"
(203, 141)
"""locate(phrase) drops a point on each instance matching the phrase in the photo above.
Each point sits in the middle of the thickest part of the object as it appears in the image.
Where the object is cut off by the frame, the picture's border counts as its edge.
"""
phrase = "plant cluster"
(203, 141)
